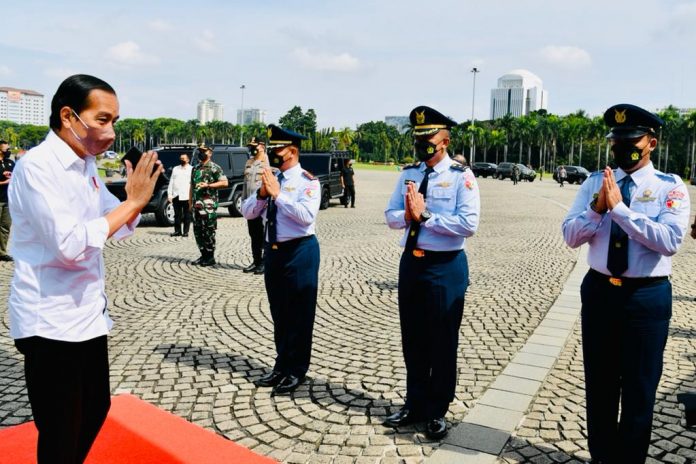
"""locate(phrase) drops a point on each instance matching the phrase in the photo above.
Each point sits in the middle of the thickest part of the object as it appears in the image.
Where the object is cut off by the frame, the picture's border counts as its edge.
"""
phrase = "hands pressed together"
(269, 184)
(141, 181)
(415, 203)
(609, 194)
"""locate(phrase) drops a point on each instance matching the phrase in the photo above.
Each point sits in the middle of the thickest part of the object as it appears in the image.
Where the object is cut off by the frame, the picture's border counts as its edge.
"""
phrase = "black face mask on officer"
(424, 149)
(626, 154)
(276, 160)
(202, 155)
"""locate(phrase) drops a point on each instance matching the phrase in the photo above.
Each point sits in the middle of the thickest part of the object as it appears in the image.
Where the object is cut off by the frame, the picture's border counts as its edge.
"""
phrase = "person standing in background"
(253, 170)
(178, 195)
(6, 168)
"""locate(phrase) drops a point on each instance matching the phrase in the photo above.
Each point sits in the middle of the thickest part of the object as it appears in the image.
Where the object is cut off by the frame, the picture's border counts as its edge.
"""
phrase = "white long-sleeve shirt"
(58, 205)
(180, 182)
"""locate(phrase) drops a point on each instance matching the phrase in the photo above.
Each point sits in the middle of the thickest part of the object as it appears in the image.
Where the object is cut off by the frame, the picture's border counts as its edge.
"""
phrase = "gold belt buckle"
(418, 253)
(274, 246)
(615, 281)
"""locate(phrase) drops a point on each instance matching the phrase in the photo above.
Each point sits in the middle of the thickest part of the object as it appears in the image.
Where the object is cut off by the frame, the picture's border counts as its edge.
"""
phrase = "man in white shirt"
(178, 195)
(63, 215)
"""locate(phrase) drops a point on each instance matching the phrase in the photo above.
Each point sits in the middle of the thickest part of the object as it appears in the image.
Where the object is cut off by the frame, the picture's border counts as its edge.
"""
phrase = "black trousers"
(431, 303)
(68, 387)
(291, 277)
(349, 194)
(624, 333)
(181, 212)
(256, 234)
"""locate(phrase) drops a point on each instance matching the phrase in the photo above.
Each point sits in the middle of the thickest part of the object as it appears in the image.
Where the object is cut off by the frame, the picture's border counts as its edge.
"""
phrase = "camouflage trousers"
(204, 230)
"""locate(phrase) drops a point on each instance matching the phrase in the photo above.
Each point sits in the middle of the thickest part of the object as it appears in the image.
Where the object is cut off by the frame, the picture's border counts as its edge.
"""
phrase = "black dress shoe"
(259, 269)
(436, 428)
(208, 262)
(198, 261)
(250, 268)
(287, 385)
(7, 258)
(175, 234)
(403, 416)
(186, 234)
(271, 379)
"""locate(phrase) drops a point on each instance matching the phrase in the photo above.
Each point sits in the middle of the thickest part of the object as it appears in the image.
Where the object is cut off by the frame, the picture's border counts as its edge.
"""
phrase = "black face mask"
(253, 151)
(276, 160)
(424, 149)
(183, 162)
(626, 155)
(202, 156)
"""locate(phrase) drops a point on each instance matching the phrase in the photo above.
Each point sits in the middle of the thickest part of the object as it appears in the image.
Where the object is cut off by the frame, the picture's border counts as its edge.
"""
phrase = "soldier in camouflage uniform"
(206, 178)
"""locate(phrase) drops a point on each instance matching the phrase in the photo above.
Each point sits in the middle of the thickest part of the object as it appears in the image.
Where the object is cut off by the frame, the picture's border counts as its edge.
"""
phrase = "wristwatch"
(425, 215)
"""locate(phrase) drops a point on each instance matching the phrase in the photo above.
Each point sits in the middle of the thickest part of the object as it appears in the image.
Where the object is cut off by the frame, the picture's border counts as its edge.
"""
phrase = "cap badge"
(620, 116)
(269, 132)
(420, 117)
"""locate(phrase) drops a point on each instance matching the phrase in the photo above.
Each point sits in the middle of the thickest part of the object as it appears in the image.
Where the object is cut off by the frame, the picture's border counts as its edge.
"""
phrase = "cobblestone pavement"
(191, 340)
(554, 430)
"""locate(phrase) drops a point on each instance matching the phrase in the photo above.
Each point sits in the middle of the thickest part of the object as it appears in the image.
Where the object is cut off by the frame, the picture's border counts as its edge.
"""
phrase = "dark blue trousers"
(624, 332)
(291, 277)
(431, 303)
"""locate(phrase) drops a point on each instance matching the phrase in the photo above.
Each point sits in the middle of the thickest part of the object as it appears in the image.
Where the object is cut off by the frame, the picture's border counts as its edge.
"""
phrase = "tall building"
(22, 106)
(251, 115)
(519, 93)
(209, 110)
(400, 122)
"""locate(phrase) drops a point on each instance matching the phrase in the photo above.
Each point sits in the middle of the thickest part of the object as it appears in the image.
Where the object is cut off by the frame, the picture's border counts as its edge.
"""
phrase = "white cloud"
(343, 62)
(129, 53)
(159, 25)
(565, 56)
(5, 71)
(205, 41)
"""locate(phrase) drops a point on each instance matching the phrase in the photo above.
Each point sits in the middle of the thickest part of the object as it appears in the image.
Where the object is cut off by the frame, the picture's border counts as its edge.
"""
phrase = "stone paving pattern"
(191, 340)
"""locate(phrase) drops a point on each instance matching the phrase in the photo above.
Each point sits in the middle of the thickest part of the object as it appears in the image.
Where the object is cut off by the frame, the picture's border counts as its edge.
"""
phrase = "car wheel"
(235, 208)
(325, 199)
(500, 177)
(164, 215)
(485, 176)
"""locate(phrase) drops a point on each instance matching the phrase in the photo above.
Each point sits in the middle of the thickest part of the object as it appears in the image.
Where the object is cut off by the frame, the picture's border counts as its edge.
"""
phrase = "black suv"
(230, 158)
(504, 171)
(326, 167)
(484, 169)
(574, 174)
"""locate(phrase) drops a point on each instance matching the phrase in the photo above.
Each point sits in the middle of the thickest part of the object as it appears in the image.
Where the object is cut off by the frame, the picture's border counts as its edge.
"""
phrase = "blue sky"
(354, 61)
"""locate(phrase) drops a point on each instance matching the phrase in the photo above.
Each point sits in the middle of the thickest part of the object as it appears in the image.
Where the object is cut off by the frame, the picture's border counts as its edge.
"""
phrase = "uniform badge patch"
(443, 184)
(646, 196)
(309, 192)
(672, 204)
(676, 195)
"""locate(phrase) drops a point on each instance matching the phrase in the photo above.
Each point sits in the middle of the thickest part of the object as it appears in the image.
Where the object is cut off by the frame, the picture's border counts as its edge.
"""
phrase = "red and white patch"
(672, 204)
(676, 194)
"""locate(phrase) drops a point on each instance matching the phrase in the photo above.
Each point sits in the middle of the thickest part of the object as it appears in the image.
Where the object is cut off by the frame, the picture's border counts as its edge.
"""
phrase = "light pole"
(241, 117)
(472, 151)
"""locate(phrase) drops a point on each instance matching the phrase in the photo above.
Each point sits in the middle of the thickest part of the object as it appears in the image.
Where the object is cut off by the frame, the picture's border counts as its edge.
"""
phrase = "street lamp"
(472, 152)
(241, 116)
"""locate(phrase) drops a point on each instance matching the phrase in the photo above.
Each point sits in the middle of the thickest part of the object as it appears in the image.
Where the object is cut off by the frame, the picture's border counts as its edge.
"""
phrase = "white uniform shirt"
(58, 203)
(297, 203)
(180, 182)
(655, 222)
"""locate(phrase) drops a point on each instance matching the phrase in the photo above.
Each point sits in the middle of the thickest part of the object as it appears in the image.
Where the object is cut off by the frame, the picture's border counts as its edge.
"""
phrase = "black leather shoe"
(208, 262)
(403, 416)
(198, 261)
(175, 234)
(287, 385)
(436, 428)
(250, 268)
(185, 235)
(7, 258)
(271, 379)
(259, 269)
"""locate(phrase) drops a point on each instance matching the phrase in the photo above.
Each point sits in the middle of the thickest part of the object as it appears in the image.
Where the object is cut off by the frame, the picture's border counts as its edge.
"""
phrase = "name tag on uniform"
(289, 189)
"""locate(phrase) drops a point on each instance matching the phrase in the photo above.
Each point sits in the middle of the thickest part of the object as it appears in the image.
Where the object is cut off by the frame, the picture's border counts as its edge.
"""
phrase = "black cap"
(427, 121)
(255, 142)
(204, 147)
(279, 137)
(631, 121)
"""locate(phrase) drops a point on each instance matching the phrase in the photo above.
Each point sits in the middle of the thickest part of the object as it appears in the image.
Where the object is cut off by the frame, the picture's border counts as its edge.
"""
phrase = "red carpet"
(136, 432)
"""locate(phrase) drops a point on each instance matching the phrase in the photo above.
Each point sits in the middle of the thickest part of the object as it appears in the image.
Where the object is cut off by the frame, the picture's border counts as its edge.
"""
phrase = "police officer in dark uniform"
(634, 219)
(289, 203)
(437, 202)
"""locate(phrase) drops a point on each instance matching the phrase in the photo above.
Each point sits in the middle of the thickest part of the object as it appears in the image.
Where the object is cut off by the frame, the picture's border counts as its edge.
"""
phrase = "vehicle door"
(223, 159)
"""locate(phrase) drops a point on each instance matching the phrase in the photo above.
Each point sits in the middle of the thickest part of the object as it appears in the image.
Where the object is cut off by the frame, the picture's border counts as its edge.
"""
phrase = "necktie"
(412, 238)
(271, 216)
(617, 257)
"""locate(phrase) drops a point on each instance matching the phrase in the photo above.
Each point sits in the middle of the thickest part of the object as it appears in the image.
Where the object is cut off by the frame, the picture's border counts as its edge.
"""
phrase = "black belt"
(628, 281)
(288, 243)
(419, 253)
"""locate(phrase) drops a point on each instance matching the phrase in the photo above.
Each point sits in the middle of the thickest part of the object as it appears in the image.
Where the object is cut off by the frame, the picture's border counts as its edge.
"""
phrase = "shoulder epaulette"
(596, 173)
(411, 166)
(667, 177)
(459, 167)
(308, 175)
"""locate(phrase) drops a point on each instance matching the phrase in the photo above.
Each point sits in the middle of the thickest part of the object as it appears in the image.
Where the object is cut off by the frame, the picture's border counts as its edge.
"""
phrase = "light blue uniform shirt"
(452, 198)
(656, 222)
(297, 203)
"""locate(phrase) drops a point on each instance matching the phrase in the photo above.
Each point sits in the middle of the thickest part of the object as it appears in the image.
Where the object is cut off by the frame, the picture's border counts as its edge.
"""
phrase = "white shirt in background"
(180, 182)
